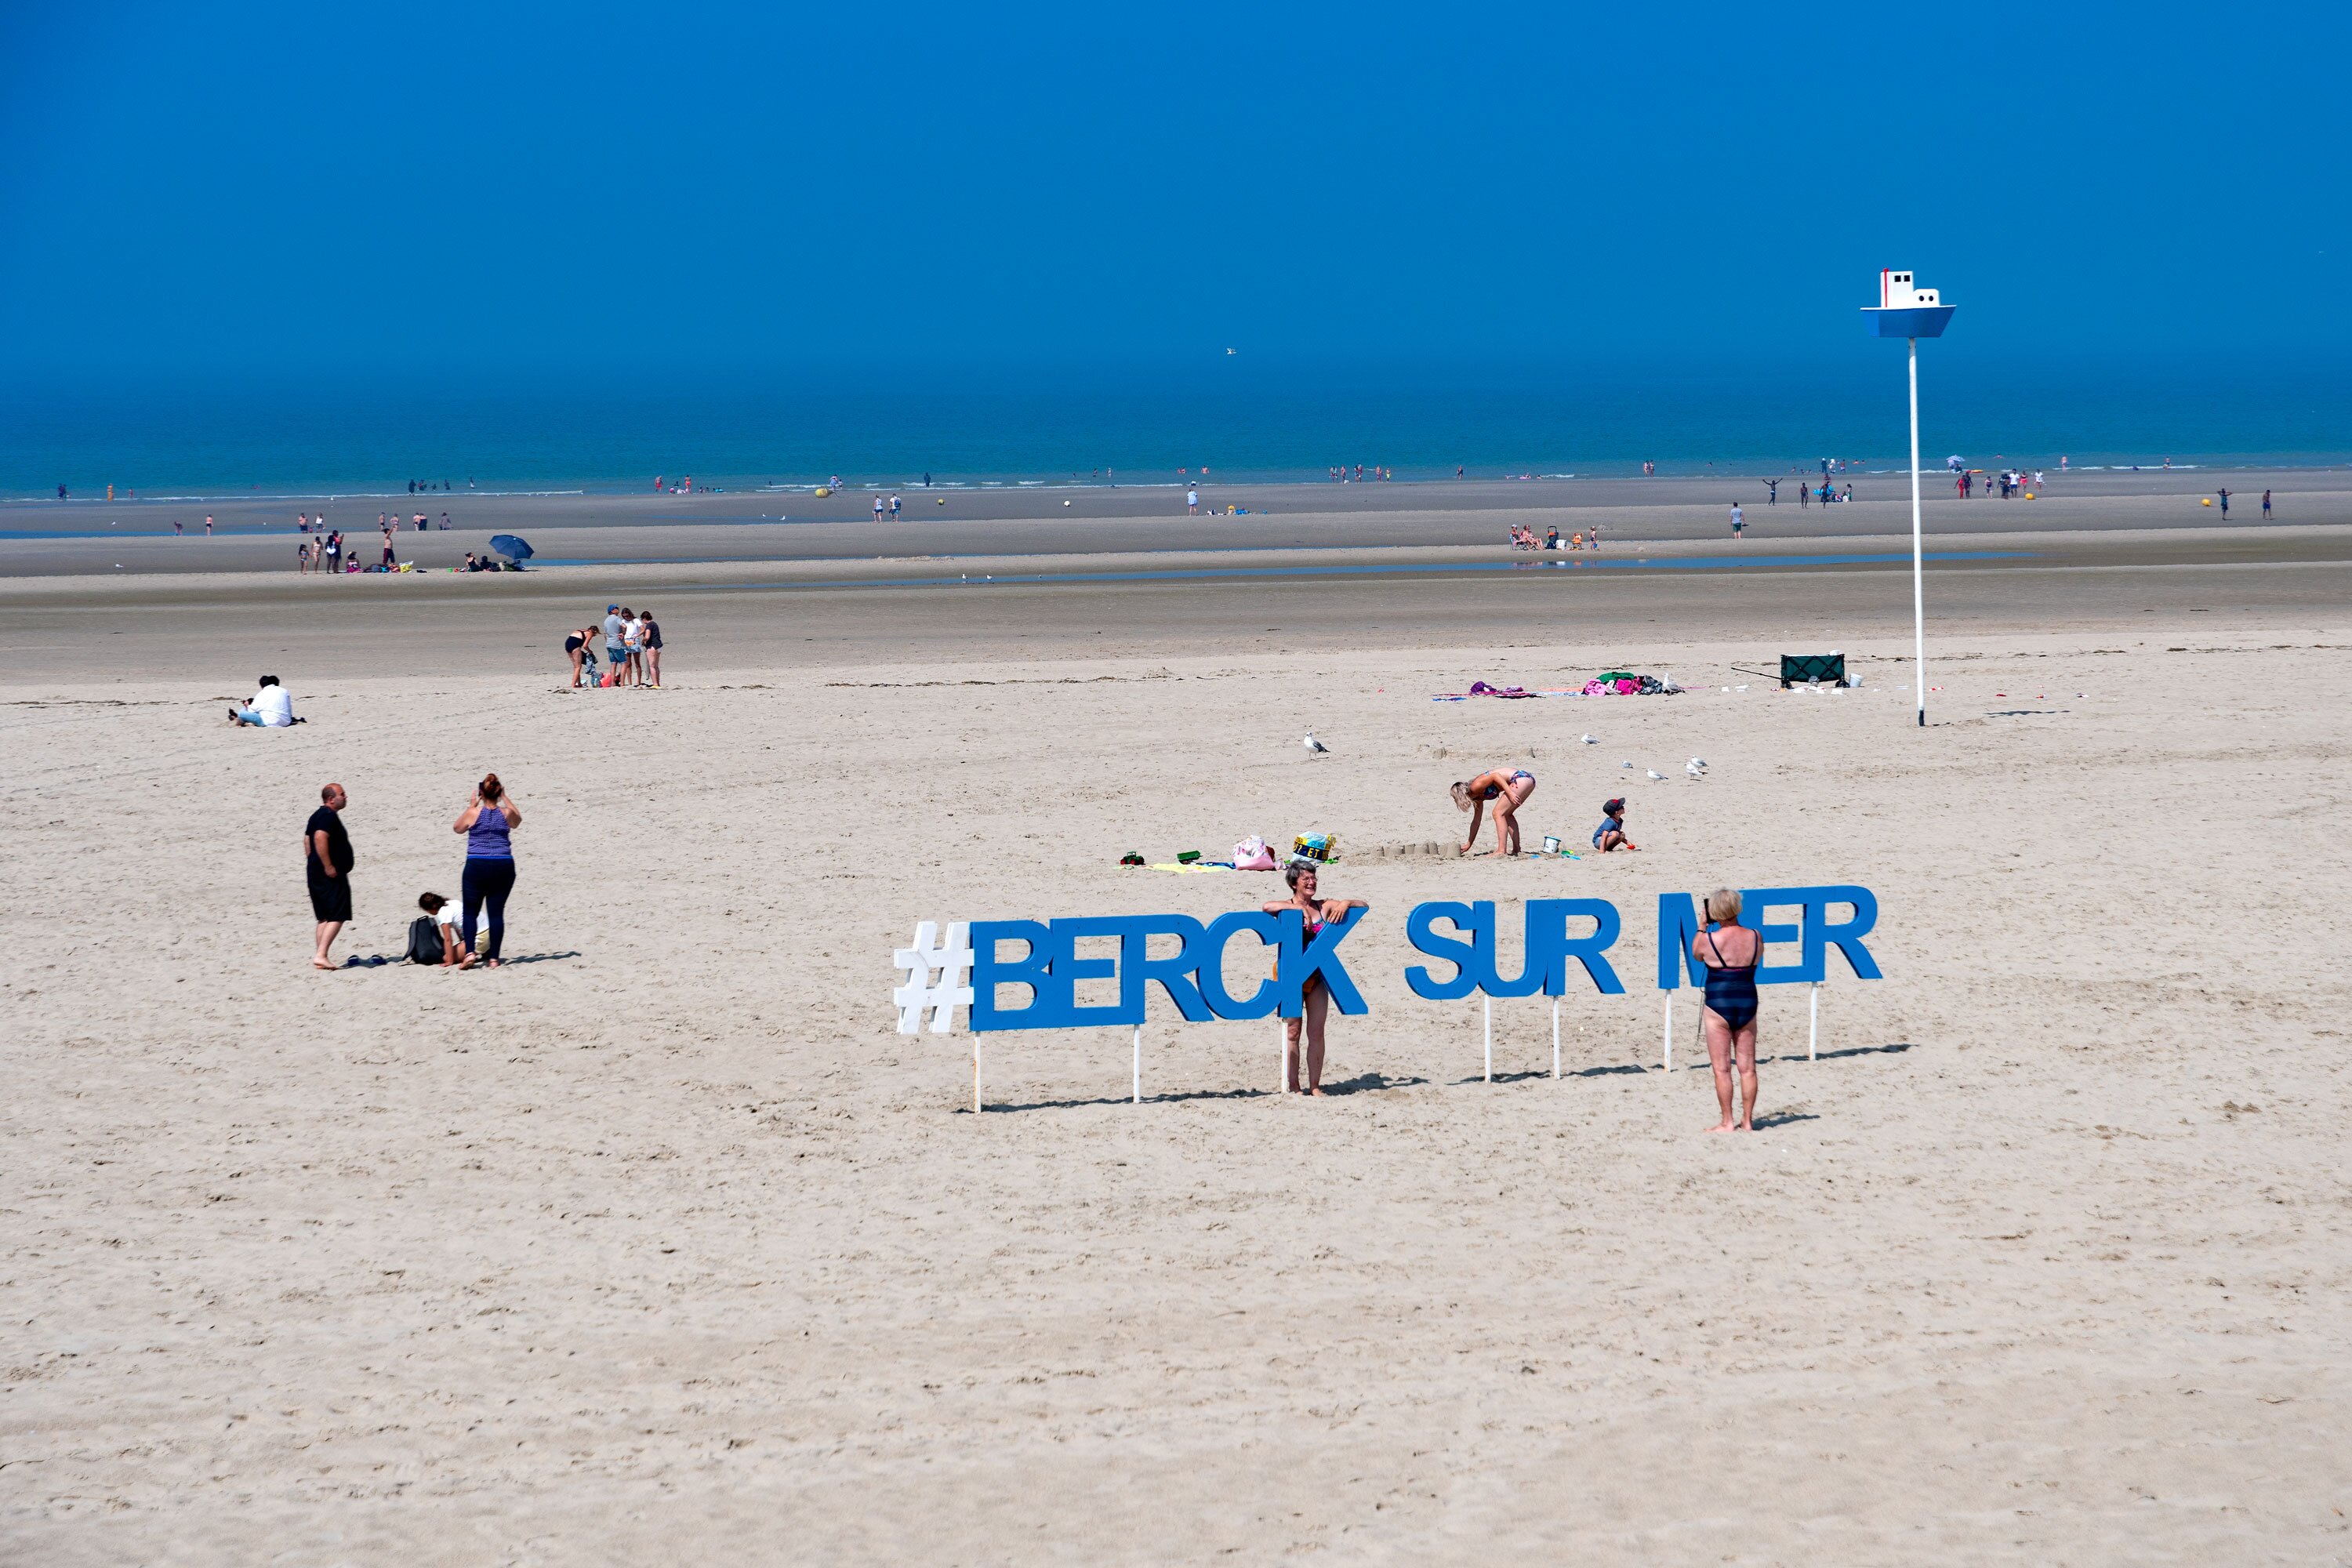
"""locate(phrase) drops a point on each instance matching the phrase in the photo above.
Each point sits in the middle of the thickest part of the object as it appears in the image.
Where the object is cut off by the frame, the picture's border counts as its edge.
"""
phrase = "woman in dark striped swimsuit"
(1731, 954)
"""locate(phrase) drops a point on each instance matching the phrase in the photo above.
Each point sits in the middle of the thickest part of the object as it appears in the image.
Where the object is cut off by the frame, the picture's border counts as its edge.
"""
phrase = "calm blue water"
(1247, 422)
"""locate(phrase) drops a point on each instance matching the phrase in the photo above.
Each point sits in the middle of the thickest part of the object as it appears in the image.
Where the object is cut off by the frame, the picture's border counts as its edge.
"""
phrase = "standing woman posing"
(489, 862)
(1315, 1004)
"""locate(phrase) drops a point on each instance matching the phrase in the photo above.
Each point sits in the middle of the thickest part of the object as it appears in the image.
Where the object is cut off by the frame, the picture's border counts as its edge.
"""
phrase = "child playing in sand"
(433, 935)
(1611, 833)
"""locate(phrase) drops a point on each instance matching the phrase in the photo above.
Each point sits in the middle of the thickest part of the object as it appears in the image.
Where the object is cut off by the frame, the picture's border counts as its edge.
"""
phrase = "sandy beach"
(661, 1243)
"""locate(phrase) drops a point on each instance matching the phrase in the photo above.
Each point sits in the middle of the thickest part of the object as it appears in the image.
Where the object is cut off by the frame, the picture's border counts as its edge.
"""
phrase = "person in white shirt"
(271, 707)
(633, 637)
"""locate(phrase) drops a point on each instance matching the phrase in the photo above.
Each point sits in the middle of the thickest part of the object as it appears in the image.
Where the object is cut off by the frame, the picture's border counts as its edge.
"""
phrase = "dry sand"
(662, 1246)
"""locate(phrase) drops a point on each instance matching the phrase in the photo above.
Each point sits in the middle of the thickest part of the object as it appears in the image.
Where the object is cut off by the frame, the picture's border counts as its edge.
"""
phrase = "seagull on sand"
(1315, 746)
(1693, 768)
(1655, 775)
(1588, 741)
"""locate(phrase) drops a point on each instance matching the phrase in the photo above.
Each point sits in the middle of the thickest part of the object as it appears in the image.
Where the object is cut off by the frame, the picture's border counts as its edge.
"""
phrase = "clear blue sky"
(582, 188)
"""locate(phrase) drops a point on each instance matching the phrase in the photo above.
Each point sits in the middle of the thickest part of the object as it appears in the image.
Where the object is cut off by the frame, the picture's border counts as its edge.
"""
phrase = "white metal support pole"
(1919, 586)
(1490, 1039)
(1814, 1033)
(1670, 1031)
(1555, 1039)
(1138, 1064)
(1282, 1053)
(975, 1075)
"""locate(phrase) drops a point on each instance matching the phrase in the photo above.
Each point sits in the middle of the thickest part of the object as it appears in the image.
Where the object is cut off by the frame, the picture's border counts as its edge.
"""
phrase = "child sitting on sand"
(1611, 833)
(433, 935)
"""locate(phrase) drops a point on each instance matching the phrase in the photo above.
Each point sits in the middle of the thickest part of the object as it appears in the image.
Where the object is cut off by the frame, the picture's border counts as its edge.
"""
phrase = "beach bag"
(1252, 855)
(425, 940)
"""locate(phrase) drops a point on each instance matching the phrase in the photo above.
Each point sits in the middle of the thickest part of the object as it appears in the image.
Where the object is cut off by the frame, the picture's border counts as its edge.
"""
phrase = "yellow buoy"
(825, 490)
(2207, 501)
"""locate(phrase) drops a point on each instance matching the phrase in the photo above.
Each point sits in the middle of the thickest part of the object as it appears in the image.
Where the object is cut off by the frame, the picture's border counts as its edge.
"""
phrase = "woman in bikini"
(1731, 954)
(1508, 789)
(1315, 1004)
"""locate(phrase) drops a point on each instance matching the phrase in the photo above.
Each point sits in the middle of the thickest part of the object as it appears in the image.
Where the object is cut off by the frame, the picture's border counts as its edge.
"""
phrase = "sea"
(254, 435)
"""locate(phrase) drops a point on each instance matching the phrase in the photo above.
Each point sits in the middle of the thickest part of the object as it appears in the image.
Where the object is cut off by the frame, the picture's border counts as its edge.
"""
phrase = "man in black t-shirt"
(327, 864)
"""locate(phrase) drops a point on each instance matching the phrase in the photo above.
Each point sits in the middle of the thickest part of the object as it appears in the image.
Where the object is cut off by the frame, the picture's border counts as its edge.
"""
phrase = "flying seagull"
(1315, 746)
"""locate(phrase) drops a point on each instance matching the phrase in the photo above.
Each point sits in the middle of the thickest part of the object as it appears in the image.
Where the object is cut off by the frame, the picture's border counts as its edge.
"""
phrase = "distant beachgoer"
(327, 866)
(1731, 952)
(2224, 498)
(1739, 520)
(894, 506)
(632, 643)
(2266, 506)
(1576, 542)
(486, 823)
(1192, 502)
(1849, 491)
(1611, 833)
(1457, 470)
(1593, 537)
(1316, 1000)
(616, 644)
(1804, 495)
(388, 557)
(1552, 540)
(653, 642)
(1771, 492)
(877, 509)
(433, 935)
(208, 527)
(270, 706)
(1508, 791)
(576, 649)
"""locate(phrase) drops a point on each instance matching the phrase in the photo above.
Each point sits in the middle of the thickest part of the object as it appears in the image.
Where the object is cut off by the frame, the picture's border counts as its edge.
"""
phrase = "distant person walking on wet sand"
(489, 875)
(1731, 952)
(1739, 520)
(327, 864)
(1508, 791)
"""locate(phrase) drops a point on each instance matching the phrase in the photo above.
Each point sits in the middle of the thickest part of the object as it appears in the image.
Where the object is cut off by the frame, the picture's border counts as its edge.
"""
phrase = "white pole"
(1918, 587)
(1814, 1034)
(1281, 1054)
(975, 1075)
(1555, 1039)
(1490, 1039)
(1138, 1064)
(1670, 1031)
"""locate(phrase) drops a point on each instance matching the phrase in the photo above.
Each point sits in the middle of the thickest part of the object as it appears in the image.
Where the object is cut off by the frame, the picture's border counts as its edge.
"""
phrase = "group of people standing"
(487, 822)
(632, 647)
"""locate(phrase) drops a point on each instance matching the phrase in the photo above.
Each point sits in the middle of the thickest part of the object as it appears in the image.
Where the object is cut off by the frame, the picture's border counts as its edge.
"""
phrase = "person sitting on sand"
(433, 935)
(270, 706)
(1611, 833)
(1315, 1003)
(1552, 540)
(1508, 791)
(1731, 952)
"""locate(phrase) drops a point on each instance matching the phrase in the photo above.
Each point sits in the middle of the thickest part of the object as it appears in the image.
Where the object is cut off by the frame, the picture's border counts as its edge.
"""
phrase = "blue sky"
(501, 190)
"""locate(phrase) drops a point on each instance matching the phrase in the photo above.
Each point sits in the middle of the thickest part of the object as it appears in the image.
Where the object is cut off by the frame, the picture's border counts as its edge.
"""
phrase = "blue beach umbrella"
(511, 547)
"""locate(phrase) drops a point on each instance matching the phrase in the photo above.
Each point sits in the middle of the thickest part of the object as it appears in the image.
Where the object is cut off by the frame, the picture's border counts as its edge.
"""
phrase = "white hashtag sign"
(952, 963)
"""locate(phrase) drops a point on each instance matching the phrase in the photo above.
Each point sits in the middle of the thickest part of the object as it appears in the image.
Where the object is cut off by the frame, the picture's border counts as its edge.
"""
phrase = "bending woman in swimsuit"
(1731, 954)
(1508, 789)
(1316, 1002)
